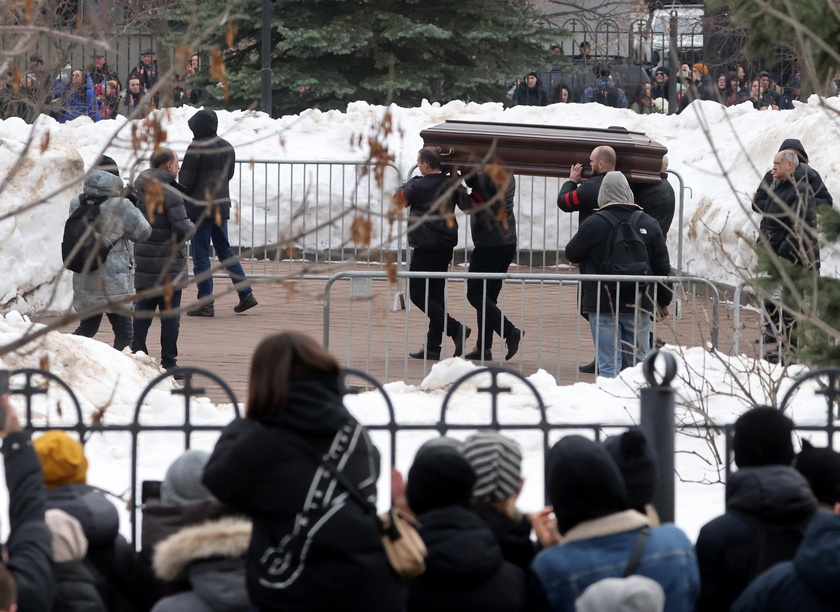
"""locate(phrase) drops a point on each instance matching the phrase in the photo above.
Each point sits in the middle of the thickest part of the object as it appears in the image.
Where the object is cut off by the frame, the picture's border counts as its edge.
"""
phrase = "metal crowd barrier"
(45, 393)
(557, 339)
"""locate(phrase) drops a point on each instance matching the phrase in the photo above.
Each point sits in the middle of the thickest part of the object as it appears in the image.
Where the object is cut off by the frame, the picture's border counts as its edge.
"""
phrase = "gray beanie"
(497, 462)
(182, 484)
(631, 594)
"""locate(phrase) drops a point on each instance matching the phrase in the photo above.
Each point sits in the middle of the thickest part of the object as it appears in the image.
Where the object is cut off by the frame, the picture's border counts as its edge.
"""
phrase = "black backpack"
(626, 253)
(83, 248)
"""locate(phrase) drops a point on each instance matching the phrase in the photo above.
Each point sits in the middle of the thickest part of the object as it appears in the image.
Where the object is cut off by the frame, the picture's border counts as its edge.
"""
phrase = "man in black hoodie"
(208, 167)
(768, 507)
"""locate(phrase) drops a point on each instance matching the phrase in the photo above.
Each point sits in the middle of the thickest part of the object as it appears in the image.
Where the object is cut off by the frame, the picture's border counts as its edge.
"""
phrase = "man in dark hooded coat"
(206, 171)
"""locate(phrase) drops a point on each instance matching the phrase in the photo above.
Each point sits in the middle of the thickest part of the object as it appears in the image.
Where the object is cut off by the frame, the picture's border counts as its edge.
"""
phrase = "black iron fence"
(656, 404)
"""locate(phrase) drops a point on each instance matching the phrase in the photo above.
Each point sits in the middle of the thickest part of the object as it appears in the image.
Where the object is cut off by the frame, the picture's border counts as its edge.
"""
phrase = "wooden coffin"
(543, 150)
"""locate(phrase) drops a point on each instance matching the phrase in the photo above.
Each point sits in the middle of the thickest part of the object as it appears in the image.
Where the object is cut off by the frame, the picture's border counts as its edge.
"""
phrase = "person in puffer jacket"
(122, 225)
(211, 556)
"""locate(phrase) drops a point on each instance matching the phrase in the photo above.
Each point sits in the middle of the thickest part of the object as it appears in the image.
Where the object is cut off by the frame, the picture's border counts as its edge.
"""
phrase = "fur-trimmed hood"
(224, 538)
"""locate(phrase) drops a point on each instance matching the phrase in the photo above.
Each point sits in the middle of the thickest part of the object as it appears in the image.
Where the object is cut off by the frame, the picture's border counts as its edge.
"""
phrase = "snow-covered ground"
(721, 153)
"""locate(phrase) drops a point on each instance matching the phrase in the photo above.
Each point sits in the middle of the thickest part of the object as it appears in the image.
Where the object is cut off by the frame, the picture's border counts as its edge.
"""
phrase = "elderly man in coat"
(111, 284)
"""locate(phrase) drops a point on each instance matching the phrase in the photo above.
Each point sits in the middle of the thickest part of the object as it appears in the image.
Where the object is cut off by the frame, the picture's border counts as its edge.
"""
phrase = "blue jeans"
(170, 325)
(206, 232)
(629, 343)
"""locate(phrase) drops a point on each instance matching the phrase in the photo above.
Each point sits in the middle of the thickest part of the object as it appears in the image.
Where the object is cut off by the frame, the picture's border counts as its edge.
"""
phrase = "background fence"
(44, 394)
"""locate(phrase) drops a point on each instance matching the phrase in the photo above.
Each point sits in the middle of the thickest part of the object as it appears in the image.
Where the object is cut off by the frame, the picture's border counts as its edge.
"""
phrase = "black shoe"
(512, 342)
(459, 338)
(202, 311)
(588, 368)
(249, 301)
(658, 343)
(477, 355)
(176, 375)
(766, 339)
(425, 354)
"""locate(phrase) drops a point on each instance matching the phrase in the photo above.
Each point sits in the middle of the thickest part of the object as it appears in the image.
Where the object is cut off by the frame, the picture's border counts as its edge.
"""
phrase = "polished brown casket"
(542, 150)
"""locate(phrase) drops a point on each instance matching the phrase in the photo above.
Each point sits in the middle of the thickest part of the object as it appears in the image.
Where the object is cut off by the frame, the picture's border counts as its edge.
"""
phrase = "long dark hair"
(277, 361)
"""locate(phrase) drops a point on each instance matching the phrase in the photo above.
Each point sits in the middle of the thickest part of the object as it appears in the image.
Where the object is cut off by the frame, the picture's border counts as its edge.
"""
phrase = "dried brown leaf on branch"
(154, 199)
(391, 267)
(168, 294)
(98, 415)
(28, 10)
(16, 81)
(230, 33)
(217, 69)
(361, 230)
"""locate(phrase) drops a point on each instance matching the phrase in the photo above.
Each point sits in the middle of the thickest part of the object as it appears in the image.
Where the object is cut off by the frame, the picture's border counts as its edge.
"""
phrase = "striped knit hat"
(497, 462)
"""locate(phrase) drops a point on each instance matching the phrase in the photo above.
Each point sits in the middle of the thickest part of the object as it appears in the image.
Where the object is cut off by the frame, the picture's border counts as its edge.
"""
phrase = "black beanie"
(636, 461)
(440, 476)
(762, 437)
(107, 164)
(583, 482)
(796, 145)
(821, 468)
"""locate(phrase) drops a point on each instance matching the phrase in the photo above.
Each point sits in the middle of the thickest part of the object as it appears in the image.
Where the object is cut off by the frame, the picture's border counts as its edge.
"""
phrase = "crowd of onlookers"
(95, 91)
(653, 91)
(280, 516)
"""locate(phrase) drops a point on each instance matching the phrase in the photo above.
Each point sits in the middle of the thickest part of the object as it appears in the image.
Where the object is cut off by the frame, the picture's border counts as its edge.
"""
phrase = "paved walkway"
(367, 334)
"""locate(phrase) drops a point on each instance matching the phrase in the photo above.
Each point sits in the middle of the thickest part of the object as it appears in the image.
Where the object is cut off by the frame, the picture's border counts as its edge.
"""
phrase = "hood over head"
(101, 183)
(204, 123)
(796, 145)
(817, 561)
(583, 482)
(615, 189)
(775, 493)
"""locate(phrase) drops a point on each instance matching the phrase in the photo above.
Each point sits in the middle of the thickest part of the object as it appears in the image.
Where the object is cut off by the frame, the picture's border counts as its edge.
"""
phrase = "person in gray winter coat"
(122, 224)
(212, 558)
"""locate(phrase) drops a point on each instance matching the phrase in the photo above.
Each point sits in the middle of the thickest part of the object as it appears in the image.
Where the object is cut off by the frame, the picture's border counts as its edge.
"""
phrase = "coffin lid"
(542, 150)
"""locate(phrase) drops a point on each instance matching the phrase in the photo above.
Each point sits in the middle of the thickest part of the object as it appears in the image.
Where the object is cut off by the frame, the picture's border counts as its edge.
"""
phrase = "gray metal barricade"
(374, 338)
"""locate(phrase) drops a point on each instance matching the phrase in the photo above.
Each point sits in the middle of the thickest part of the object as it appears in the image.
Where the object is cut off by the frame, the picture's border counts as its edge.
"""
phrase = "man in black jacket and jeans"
(619, 316)
(208, 167)
(30, 542)
(162, 258)
(433, 234)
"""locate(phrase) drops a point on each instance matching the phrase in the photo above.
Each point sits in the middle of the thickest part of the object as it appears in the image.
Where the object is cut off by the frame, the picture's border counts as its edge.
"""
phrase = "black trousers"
(483, 293)
(170, 325)
(429, 294)
(121, 325)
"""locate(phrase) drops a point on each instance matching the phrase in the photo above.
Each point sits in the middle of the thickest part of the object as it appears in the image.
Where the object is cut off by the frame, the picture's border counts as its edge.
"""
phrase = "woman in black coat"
(314, 547)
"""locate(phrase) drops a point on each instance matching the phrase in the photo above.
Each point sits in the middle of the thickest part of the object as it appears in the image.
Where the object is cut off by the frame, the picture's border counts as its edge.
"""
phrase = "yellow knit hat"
(62, 459)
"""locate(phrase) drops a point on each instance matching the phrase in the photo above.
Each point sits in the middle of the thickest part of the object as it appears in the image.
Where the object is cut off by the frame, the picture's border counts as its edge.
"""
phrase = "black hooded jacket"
(809, 582)
(759, 500)
(266, 470)
(207, 169)
(658, 200)
(530, 96)
(465, 569)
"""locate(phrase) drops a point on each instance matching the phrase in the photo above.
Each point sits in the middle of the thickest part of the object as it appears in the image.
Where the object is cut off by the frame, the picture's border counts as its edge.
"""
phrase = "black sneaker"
(512, 342)
(179, 375)
(246, 303)
(424, 354)
(477, 355)
(588, 368)
(202, 311)
(459, 339)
